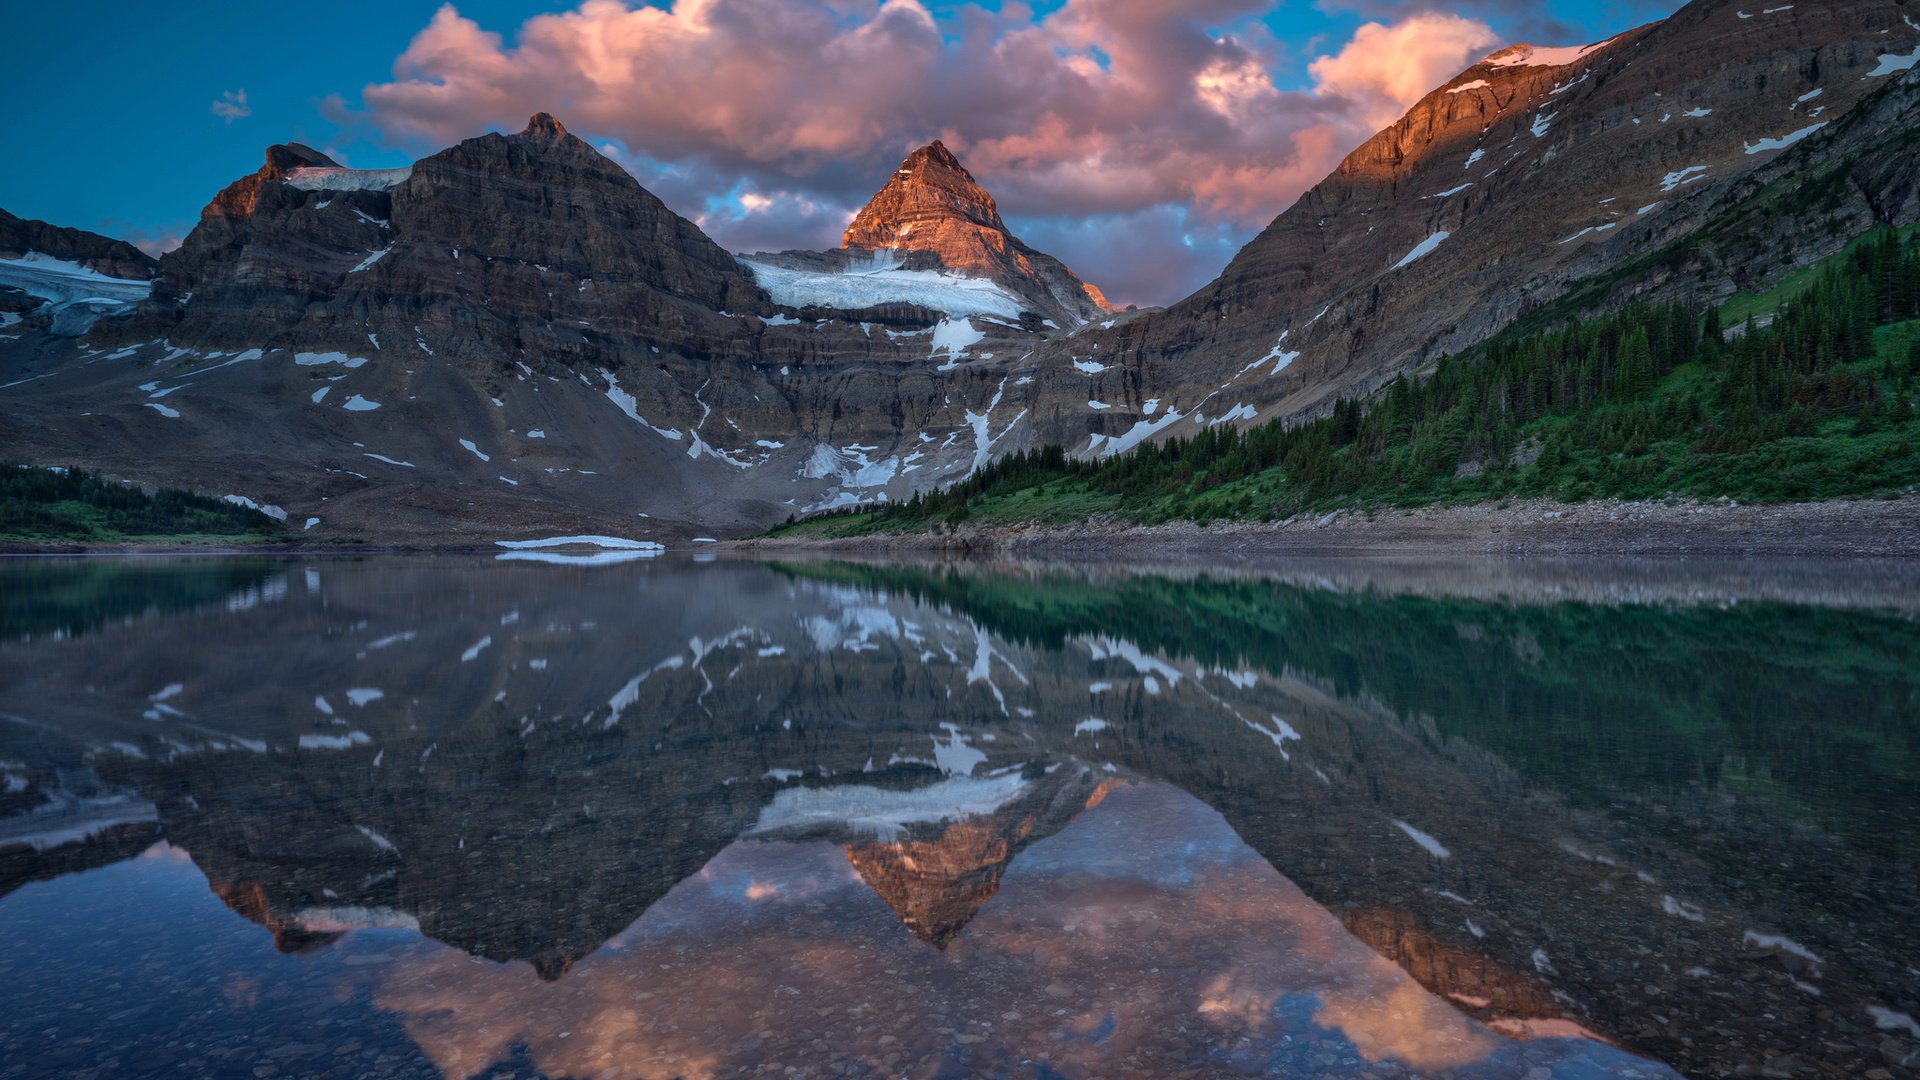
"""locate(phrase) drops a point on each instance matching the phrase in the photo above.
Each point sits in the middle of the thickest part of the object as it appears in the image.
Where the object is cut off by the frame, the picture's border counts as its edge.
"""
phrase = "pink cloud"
(1386, 68)
(771, 120)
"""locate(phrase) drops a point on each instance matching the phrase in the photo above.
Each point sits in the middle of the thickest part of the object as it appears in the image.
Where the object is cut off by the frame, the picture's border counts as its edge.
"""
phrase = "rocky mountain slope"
(513, 336)
(103, 255)
(931, 216)
(1497, 193)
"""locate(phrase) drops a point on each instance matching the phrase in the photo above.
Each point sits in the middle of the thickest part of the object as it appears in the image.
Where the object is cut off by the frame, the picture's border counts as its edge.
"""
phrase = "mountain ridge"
(525, 283)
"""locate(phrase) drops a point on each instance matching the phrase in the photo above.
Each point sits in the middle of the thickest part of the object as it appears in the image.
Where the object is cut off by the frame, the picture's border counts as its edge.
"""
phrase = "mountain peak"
(543, 125)
(932, 204)
(929, 188)
(237, 200)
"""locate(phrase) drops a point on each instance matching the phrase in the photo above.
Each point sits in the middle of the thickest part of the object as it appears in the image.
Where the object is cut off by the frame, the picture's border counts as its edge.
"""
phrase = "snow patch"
(1434, 847)
(335, 742)
(1892, 62)
(1423, 249)
(1785, 141)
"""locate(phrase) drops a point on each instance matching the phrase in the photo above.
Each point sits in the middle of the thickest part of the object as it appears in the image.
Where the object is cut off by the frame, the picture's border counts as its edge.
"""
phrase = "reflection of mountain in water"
(521, 761)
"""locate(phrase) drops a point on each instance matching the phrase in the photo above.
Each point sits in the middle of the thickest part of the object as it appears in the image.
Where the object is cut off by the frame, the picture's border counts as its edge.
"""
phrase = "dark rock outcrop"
(20, 237)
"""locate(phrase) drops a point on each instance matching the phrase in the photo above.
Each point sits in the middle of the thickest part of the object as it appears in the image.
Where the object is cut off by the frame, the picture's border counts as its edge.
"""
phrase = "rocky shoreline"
(1537, 527)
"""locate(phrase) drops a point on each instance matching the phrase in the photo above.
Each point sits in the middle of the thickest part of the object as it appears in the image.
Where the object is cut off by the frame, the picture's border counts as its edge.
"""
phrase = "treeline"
(1652, 400)
(76, 504)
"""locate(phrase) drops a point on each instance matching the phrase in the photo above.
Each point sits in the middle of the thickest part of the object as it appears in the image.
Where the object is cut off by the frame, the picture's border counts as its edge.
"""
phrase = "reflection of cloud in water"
(1144, 931)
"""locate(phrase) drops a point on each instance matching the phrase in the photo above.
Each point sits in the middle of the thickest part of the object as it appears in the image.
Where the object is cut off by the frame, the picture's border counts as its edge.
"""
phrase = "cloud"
(1386, 68)
(232, 105)
(1531, 20)
(155, 240)
(770, 121)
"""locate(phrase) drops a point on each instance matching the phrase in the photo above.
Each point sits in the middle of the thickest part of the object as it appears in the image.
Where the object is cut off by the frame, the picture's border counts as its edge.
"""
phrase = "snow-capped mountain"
(933, 236)
(513, 336)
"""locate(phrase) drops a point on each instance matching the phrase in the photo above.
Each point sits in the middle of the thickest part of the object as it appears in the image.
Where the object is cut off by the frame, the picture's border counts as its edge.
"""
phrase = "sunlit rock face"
(932, 204)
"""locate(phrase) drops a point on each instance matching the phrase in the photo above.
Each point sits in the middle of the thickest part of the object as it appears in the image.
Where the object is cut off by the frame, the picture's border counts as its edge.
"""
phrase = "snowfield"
(318, 178)
(77, 294)
(881, 280)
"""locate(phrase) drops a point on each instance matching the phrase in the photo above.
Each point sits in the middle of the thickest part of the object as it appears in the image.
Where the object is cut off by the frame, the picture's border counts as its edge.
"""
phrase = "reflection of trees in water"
(660, 725)
(1816, 710)
(70, 597)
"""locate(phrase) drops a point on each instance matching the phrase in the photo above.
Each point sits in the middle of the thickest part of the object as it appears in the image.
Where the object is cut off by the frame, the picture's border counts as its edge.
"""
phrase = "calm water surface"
(665, 818)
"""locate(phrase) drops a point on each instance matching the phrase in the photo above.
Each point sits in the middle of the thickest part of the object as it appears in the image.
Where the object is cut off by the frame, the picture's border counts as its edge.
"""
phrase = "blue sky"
(125, 140)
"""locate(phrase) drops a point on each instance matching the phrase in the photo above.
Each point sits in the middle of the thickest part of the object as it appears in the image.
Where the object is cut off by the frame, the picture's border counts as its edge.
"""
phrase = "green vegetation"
(1651, 401)
(72, 597)
(75, 505)
(1811, 708)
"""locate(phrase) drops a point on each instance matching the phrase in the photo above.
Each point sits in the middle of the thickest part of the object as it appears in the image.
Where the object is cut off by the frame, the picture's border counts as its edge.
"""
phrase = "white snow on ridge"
(321, 178)
(1784, 141)
(1528, 56)
(1423, 249)
(882, 280)
(34, 263)
(1476, 84)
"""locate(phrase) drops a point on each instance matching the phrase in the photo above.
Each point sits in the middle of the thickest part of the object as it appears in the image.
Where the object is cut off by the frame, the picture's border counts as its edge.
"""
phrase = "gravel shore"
(1871, 529)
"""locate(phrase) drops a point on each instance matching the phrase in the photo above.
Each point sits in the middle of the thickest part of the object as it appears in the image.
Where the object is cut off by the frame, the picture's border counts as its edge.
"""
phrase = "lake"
(701, 817)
